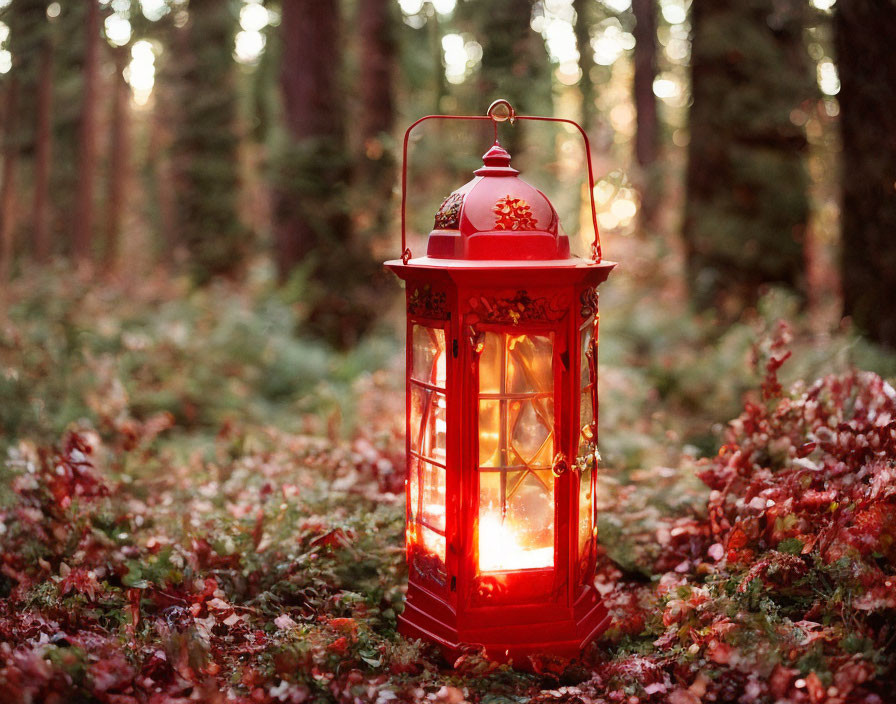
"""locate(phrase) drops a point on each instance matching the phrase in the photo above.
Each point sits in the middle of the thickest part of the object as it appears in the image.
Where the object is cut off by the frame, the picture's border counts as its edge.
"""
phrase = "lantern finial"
(496, 156)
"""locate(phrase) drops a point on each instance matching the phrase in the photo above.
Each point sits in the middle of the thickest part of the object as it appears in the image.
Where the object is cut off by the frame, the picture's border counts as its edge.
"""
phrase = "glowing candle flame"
(500, 547)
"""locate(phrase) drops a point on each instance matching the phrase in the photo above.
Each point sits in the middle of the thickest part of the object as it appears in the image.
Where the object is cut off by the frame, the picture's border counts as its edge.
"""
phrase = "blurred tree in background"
(864, 37)
(206, 137)
(747, 205)
(206, 143)
(82, 241)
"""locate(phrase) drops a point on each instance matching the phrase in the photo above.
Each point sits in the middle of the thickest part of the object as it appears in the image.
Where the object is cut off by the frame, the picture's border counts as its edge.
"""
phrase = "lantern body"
(501, 426)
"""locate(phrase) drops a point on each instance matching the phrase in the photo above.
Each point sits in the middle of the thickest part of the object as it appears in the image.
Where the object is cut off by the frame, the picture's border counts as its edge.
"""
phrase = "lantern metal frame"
(512, 614)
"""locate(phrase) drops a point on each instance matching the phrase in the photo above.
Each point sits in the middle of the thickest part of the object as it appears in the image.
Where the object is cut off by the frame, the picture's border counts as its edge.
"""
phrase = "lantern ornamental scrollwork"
(425, 302)
(519, 307)
(448, 215)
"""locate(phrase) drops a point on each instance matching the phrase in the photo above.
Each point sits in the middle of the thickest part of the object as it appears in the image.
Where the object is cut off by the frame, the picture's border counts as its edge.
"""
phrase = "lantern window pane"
(428, 423)
(529, 363)
(516, 448)
(428, 355)
(522, 536)
(491, 367)
(586, 511)
(587, 451)
(489, 433)
(432, 496)
(413, 489)
(531, 432)
(432, 542)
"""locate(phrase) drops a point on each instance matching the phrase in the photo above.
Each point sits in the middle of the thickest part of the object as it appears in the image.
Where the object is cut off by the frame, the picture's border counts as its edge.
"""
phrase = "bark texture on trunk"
(118, 178)
(376, 163)
(8, 209)
(87, 140)
(206, 145)
(43, 154)
(747, 204)
(645, 73)
(308, 216)
(864, 34)
(377, 70)
(586, 58)
(515, 64)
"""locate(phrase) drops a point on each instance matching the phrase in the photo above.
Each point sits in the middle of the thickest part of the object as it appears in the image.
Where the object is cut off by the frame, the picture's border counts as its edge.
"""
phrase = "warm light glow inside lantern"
(501, 424)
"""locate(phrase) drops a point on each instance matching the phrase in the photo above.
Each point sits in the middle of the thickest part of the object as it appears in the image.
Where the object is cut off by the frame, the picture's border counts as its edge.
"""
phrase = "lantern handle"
(492, 114)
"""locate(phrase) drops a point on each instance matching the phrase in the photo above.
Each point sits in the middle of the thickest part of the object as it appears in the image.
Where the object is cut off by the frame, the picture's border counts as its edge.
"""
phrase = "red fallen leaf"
(806, 449)
(346, 625)
(211, 584)
(738, 538)
(112, 672)
(134, 601)
(719, 652)
(82, 581)
(333, 538)
(340, 645)
(815, 688)
(549, 665)
(258, 530)
(780, 680)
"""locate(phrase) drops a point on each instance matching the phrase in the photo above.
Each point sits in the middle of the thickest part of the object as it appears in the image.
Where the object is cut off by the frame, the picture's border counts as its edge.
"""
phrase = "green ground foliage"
(199, 504)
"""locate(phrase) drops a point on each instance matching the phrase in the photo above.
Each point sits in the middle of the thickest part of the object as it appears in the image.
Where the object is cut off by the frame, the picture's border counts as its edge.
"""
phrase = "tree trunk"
(311, 209)
(586, 59)
(515, 64)
(645, 73)
(87, 153)
(43, 150)
(746, 209)
(376, 164)
(440, 84)
(309, 83)
(206, 144)
(118, 178)
(7, 188)
(864, 33)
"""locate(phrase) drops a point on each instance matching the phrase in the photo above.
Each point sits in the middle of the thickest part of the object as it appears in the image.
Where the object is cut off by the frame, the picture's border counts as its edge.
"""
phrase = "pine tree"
(747, 207)
(864, 32)
(82, 240)
(312, 225)
(118, 177)
(206, 143)
(376, 163)
(515, 64)
(25, 132)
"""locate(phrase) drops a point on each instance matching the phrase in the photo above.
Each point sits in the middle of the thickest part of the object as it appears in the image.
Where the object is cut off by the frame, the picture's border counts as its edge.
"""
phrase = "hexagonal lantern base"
(508, 633)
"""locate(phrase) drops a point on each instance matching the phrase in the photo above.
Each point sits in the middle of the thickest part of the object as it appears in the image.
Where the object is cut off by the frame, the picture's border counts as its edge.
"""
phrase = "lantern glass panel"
(529, 365)
(428, 444)
(433, 542)
(432, 496)
(428, 424)
(586, 451)
(428, 358)
(516, 447)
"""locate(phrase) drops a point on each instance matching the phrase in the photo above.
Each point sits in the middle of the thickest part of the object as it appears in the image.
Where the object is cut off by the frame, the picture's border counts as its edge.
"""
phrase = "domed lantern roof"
(497, 216)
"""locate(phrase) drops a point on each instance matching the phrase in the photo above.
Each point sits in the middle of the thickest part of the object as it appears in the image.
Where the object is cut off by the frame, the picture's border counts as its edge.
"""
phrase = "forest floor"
(196, 504)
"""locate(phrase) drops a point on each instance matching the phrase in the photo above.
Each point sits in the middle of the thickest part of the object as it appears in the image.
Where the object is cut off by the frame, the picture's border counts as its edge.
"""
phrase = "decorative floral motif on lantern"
(514, 214)
(427, 303)
(501, 424)
(448, 215)
(517, 308)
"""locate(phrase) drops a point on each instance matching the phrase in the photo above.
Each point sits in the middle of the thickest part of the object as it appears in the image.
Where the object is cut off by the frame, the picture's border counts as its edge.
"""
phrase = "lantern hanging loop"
(506, 113)
(501, 110)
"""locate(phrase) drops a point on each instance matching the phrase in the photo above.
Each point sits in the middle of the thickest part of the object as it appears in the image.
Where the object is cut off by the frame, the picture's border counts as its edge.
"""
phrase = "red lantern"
(501, 420)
